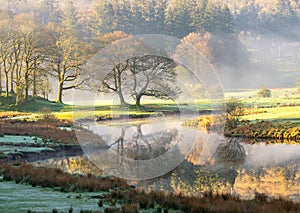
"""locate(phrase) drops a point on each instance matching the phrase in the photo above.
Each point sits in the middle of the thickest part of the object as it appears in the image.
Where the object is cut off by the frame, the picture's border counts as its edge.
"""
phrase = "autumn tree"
(109, 38)
(201, 42)
(65, 57)
(4, 60)
(26, 56)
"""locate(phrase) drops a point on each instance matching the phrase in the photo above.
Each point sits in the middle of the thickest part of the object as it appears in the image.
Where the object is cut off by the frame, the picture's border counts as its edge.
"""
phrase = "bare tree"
(45, 88)
(32, 61)
(65, 59)
(113, 81)
(4, 56)
(153, 76)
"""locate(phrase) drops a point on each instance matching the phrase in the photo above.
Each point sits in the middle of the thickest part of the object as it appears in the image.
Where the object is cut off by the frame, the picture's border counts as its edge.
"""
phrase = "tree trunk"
(122, 100)
(6, 85)
(26, 93)
(34, 85)
(26, 89)
(138, 100)
(11, 82)
(18, 95)
(59, 93)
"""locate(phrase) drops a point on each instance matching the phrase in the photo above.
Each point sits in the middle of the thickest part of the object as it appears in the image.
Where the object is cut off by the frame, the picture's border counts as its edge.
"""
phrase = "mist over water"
(267, 155)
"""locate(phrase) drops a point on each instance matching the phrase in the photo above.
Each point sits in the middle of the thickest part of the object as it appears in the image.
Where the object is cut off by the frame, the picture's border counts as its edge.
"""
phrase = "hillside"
(33, 105)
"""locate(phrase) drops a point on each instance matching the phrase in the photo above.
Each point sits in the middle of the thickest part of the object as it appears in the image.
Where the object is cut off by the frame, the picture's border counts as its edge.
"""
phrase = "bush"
(47, 115)
(264, 93)
(234, 109)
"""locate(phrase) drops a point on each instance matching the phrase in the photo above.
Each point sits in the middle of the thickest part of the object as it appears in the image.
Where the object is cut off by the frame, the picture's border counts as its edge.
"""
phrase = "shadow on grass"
(32, 105)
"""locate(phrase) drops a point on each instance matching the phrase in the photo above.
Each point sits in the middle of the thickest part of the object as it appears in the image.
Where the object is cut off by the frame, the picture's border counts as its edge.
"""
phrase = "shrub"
(234, 109)
(47, 115)
(264, 93)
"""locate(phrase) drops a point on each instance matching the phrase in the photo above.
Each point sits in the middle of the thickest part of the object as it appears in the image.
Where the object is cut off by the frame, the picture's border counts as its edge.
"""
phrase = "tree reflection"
(229, 157)
(218, 175)
(140, 146)
(73, 165)
(230, 154)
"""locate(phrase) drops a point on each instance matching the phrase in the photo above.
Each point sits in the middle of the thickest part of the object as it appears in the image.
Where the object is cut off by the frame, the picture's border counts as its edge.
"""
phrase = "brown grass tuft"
(49, 177)
(130, 208)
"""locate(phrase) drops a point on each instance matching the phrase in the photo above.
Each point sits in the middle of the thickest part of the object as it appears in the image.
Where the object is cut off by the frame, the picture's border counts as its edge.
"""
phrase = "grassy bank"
(281, 131)
(47, 131)
(32, 105)
(283, 114)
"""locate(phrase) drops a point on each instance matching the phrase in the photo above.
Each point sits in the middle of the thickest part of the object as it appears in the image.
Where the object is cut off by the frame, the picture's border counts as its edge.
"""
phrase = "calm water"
(188, 161)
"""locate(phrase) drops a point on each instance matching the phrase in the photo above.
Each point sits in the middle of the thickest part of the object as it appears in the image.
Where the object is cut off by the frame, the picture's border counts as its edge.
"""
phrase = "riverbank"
(280, 131)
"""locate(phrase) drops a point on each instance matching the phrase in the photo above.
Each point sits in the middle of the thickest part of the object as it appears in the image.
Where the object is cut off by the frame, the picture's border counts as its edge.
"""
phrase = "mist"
(259, 155)
(260, 47)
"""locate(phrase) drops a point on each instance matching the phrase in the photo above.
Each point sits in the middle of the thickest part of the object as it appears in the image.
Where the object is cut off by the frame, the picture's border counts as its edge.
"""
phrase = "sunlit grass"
(148, 108)
(278, 113)
(280, 97)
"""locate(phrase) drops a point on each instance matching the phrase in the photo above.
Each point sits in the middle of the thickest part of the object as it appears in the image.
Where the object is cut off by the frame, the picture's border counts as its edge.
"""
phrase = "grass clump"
(49, 177)
(130, 208)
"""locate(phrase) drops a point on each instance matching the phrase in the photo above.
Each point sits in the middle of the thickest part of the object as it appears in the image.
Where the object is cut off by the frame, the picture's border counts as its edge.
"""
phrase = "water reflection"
(74, 165)
(279, 178)
(139, 150)
(210, 165)
(141, 146)
(273, 170)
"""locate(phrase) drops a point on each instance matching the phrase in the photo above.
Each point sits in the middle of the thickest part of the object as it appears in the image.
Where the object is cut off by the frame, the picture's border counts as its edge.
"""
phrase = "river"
(178, 159)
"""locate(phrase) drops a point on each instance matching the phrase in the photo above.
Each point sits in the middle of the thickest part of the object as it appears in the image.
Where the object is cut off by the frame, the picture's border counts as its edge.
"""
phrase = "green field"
(276, 107)
(277, 114)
